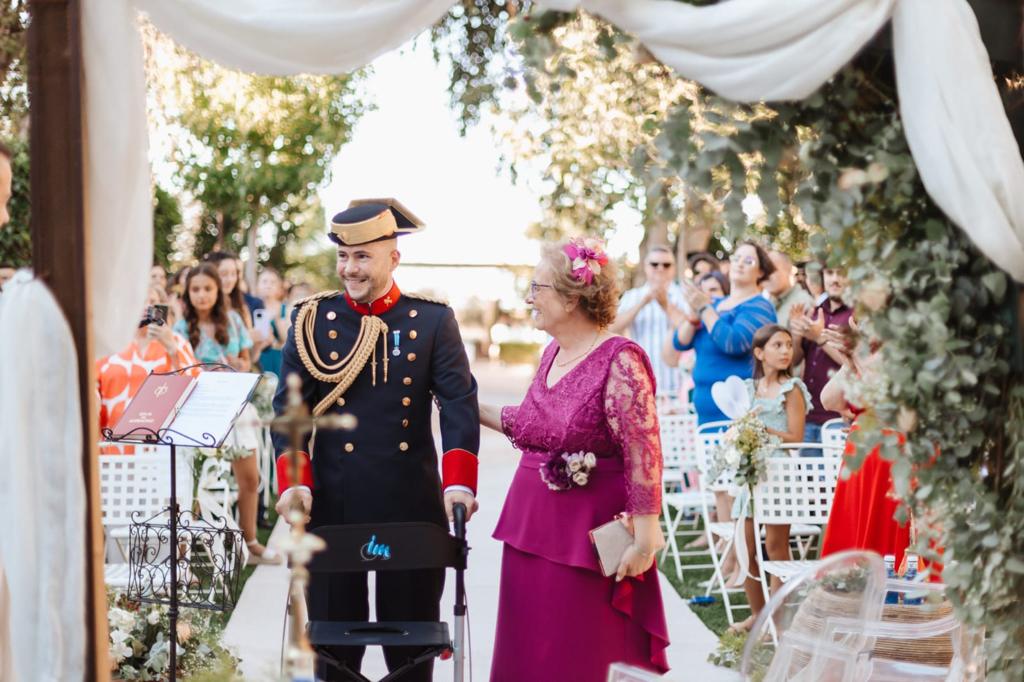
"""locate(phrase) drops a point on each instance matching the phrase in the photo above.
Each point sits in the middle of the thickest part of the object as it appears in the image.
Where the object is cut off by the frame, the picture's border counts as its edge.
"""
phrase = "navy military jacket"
(386, 470)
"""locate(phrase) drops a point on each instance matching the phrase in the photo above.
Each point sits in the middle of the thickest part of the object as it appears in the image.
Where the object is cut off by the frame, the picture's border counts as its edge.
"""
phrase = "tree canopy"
(250, 151)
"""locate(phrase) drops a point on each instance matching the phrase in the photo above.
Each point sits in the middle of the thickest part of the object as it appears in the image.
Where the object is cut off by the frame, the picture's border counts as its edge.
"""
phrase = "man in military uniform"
(384, 356)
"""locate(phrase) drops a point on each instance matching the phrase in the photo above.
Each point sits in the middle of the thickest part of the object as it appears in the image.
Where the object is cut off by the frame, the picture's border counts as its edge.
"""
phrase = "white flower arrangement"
(744, 448)
(139, 648)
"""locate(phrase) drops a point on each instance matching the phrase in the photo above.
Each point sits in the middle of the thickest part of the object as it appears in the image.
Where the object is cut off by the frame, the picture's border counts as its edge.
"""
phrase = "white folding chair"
(833, 436)
(140, 483)
(796, 491)
(682, 490)
(709, 436)
(802, 535)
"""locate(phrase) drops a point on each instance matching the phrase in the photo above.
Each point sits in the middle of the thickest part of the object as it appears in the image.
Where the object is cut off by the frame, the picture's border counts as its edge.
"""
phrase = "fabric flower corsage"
(586, 257)
(568, 470)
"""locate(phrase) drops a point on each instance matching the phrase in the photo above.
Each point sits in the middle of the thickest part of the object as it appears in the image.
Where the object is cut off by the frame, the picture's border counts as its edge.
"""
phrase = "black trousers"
(401, 596)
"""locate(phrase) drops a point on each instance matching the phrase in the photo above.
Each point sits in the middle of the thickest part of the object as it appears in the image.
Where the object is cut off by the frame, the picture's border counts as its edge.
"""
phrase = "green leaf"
(996, 283)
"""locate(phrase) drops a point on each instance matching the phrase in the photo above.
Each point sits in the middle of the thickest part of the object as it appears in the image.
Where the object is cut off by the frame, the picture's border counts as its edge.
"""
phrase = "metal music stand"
(149, 573)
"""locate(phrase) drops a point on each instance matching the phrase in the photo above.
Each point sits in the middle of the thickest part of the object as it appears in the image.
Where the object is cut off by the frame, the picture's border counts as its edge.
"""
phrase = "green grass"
(712, 615)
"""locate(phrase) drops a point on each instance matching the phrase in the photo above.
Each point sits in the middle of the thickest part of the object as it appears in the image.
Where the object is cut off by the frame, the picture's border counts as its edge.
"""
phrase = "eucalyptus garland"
(944, 314)
(835, 170)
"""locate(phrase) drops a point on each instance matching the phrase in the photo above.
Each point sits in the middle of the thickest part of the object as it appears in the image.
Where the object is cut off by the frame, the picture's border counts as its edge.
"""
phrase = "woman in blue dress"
(721, 332)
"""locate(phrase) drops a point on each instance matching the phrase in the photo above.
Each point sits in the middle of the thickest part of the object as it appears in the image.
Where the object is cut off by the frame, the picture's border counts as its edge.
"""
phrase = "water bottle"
(891, 596)
(911, 575)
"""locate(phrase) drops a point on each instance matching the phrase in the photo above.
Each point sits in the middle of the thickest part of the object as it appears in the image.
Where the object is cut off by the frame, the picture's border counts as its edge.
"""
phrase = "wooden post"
(60, 249)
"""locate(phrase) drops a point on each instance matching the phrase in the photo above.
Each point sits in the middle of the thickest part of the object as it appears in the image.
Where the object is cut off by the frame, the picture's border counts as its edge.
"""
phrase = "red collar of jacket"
(378, 306)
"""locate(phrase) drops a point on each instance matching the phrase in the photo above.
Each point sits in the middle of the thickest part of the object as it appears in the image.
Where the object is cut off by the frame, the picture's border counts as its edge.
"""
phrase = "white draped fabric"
(259, 36)
(747, 50)
(42, 492)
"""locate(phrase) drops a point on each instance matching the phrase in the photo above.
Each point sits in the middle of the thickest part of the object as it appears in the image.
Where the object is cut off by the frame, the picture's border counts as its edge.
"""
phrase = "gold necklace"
(584, 353)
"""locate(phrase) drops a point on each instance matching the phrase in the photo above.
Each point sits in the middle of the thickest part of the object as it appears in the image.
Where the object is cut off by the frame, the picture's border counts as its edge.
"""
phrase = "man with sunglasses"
(648, 314)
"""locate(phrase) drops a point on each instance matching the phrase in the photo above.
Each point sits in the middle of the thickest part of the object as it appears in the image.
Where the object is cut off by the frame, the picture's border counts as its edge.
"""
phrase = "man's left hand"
(455, 496)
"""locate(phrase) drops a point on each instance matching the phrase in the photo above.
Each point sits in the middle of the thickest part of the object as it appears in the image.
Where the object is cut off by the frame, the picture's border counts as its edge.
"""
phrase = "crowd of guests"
(788, 332)
(204, 314)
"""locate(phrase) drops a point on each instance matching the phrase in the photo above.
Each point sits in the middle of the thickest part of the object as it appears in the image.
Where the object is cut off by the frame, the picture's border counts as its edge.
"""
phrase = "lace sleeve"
(633, 420)
(509, 414)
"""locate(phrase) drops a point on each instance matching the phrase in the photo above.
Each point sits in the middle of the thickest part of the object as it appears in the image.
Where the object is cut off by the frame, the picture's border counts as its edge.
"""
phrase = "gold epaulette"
(316, 297)
(426, 297)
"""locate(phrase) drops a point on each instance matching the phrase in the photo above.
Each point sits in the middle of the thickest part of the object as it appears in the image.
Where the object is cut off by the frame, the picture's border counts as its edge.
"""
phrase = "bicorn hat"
(372, 220)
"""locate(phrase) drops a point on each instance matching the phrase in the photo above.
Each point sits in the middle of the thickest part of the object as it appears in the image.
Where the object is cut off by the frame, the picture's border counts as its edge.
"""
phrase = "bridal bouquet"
(568, 470)
(744, 449)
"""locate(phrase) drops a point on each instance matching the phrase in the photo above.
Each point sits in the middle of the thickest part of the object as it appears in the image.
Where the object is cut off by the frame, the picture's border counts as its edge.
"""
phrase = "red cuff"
(284, 470)
(458, 467)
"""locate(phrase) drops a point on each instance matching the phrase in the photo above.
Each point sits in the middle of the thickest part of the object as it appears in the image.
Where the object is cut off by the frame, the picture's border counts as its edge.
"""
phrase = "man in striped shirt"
(648, 314)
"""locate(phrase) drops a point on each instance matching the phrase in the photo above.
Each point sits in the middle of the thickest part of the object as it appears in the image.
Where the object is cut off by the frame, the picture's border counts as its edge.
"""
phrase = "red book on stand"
(154, 406)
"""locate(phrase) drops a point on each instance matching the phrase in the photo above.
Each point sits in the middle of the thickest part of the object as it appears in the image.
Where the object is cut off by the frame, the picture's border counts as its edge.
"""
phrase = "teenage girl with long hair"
(782, 402)
(215, 334)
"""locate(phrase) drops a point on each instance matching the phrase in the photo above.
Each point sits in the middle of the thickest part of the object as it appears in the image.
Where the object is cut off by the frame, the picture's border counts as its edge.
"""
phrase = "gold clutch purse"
(610, 540)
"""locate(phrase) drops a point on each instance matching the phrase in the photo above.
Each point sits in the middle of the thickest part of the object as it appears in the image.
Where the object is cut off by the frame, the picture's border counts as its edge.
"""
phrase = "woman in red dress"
(863, 512)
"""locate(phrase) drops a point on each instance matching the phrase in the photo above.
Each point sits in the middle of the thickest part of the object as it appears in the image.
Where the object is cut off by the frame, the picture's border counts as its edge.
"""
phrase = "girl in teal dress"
(782, 402)
(218, 334)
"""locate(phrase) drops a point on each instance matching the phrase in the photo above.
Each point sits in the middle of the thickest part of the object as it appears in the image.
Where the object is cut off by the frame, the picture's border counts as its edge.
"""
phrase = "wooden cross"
(297, 422)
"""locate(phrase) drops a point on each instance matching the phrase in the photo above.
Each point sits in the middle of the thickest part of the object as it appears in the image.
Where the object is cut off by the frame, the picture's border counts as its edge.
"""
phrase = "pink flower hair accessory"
(586, 256)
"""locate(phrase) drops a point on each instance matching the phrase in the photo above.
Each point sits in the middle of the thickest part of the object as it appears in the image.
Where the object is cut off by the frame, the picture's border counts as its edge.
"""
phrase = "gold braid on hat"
(345, 371)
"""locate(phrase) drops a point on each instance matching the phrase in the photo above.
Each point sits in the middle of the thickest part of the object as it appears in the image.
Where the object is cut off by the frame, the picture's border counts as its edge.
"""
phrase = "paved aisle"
(255, 627)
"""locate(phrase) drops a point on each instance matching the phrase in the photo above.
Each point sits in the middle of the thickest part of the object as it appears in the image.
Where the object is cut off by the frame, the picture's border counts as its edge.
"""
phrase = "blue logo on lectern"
(373, 550)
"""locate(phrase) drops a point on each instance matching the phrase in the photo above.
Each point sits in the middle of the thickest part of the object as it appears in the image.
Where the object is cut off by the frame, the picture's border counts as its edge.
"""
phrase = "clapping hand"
(805, 326)
(695, 298)
(842, 342)
(661, 296)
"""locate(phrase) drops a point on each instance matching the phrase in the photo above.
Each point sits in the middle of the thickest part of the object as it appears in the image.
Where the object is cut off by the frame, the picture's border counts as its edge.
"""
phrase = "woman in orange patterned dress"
(155, 348)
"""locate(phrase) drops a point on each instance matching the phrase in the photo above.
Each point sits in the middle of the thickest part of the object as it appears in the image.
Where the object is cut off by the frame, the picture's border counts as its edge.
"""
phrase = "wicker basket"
(822, 604)
(930, 651)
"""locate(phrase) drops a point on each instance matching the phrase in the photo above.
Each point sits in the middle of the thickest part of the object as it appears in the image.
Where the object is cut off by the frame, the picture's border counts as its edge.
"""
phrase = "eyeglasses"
(746, 260)
(534, 286)
(660, 264)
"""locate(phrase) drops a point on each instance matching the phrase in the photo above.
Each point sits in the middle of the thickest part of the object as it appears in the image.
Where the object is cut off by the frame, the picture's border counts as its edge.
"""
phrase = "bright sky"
(409, 148)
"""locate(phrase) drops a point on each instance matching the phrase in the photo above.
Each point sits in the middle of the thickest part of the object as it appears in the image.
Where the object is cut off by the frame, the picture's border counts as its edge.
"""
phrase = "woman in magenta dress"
(558, 617)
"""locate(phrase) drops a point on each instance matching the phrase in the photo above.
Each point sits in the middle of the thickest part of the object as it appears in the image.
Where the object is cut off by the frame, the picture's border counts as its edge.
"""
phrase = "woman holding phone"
(271, 321)
(155, 348)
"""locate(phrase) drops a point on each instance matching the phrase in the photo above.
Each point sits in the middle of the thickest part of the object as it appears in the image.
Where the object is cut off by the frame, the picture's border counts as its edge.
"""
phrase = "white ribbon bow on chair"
(212, 496)
(733, 399)
(731, 396)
